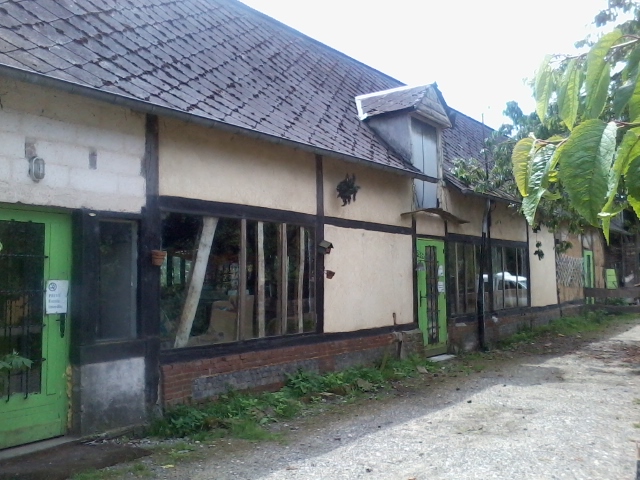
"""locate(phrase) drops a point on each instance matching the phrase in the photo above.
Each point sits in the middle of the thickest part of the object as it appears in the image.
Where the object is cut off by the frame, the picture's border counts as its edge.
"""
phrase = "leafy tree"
(593, 161)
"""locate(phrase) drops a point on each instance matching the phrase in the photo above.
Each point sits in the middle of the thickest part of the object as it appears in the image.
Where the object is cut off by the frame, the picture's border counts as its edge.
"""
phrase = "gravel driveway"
(540, 416)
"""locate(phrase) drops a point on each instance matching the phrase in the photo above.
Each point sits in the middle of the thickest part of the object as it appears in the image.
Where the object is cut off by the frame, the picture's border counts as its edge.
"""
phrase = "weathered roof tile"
(52, 6)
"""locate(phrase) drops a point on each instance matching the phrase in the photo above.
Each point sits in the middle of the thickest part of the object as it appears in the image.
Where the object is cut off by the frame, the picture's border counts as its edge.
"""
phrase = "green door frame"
(43, 415)
(589, 273)
(430, 295)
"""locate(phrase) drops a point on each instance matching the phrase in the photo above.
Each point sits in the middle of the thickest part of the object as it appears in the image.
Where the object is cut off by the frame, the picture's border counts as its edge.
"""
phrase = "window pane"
(22, 261)
(523, 278)
(301, 304)
(498, 284)
(452, 278)
(118, 280)
(272, 262)
(217, 315)
(470, 278)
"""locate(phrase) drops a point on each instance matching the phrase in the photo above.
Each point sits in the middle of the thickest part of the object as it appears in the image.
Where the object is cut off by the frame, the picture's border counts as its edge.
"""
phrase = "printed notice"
(56, 296)
(440, 287)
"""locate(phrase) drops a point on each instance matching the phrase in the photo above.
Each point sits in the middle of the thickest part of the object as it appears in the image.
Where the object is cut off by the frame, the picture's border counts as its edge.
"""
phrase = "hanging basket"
(157, 257)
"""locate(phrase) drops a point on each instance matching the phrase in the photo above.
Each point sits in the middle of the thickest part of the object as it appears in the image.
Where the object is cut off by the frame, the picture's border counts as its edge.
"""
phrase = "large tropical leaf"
(569, 94)
(584, 163)
(598, 72)
(628, 151)
(543, 87)
(520, 159)
(632, 182)
(634, 103)
(541, 161)
(598, 96)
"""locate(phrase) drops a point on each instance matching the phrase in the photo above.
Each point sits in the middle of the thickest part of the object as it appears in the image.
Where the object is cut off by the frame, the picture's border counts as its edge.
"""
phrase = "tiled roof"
(466, 140)
(215, 59)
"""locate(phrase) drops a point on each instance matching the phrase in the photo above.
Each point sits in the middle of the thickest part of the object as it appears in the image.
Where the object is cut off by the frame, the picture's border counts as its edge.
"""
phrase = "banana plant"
(597, 164)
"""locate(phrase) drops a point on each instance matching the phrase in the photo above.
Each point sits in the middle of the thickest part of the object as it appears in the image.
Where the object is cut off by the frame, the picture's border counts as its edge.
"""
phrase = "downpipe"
(484, 248)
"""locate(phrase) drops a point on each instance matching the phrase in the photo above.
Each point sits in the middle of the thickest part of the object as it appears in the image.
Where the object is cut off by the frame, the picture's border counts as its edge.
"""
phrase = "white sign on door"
(56, 296)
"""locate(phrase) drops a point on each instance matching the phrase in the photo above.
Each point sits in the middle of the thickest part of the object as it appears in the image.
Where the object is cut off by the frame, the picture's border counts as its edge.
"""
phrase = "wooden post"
(242, 284)
(260, 279)
(196, 280)
(300, 303)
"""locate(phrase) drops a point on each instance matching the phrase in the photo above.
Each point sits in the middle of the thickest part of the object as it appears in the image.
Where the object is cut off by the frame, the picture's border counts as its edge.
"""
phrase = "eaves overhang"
(153, 109)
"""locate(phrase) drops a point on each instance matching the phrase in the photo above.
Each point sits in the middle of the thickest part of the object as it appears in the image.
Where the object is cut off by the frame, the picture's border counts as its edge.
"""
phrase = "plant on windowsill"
(347, 189)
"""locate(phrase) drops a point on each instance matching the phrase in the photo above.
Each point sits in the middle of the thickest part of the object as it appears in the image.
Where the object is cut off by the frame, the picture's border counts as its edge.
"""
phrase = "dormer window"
(408, 120)
(424, 142)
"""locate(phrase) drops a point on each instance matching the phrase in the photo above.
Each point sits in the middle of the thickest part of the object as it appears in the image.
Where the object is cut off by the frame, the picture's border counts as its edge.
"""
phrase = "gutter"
(142, 106)
(468, 191)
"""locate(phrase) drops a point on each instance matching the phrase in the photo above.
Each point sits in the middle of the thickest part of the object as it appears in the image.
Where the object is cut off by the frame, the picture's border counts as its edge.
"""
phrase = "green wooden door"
(431, 296)
(589, 272)
(35, 248)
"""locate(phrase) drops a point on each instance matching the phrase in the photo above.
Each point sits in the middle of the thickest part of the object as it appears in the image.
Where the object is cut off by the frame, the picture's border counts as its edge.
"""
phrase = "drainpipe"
(484, 251)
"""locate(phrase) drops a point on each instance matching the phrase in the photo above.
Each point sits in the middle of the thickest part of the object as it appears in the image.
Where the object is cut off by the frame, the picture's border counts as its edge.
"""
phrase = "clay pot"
(157, 257)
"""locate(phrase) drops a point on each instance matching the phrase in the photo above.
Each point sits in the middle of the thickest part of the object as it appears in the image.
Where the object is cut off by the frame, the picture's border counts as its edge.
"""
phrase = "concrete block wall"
(93, 151)
(201, 379)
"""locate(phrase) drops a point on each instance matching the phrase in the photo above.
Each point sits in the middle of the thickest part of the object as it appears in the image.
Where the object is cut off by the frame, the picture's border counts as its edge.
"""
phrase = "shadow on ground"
(65, 461)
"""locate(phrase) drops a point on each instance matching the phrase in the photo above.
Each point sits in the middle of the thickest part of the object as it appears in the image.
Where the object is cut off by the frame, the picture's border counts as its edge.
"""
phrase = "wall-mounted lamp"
(36, 168)
(329, 274)
(325, 247)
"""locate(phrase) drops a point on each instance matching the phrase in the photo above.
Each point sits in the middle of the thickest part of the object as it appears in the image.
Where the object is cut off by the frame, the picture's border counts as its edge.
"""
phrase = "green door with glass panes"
(35, 263)
(431, 295)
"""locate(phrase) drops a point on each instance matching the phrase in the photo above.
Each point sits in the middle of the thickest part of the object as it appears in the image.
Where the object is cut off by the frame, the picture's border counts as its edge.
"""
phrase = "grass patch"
(245, 415)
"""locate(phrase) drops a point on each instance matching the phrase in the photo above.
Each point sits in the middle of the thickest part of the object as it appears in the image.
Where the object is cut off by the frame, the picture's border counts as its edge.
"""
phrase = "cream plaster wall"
(429, 225)
(543, 272)
(64, 129)
(465, 207)
(507, 223)
(208, 164)
(381, 199)
(373, 280)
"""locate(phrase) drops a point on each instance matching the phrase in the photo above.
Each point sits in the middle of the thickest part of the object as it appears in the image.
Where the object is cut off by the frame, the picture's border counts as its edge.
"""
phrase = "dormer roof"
(425, 100)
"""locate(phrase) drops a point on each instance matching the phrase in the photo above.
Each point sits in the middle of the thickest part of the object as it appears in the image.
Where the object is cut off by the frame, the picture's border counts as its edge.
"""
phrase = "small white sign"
(440, 271)
(56, 296)
(440, 287)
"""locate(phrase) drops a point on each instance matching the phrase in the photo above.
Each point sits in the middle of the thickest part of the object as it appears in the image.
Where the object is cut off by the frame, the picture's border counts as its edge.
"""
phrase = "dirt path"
(567, 413)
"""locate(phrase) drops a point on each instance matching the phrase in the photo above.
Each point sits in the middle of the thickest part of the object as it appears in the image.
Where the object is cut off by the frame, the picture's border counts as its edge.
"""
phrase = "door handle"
(62, 318)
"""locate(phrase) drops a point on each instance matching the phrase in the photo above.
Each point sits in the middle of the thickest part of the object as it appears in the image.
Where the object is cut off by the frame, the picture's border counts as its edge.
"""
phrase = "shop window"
(506, 285)
(464, 268)
(226, 280)
(510, 277)
(118, 279)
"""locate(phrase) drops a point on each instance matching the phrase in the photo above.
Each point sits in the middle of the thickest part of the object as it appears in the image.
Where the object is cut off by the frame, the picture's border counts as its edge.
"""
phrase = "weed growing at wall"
(592, 321)
(244, 415)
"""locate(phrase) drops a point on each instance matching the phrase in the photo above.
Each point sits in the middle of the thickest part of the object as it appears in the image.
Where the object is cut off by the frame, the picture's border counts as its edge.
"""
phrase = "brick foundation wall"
(198, 380)
(463, 337)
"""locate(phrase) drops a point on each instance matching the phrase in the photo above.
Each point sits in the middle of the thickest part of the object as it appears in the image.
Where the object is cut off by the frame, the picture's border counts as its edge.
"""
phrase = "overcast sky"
(478, 51)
